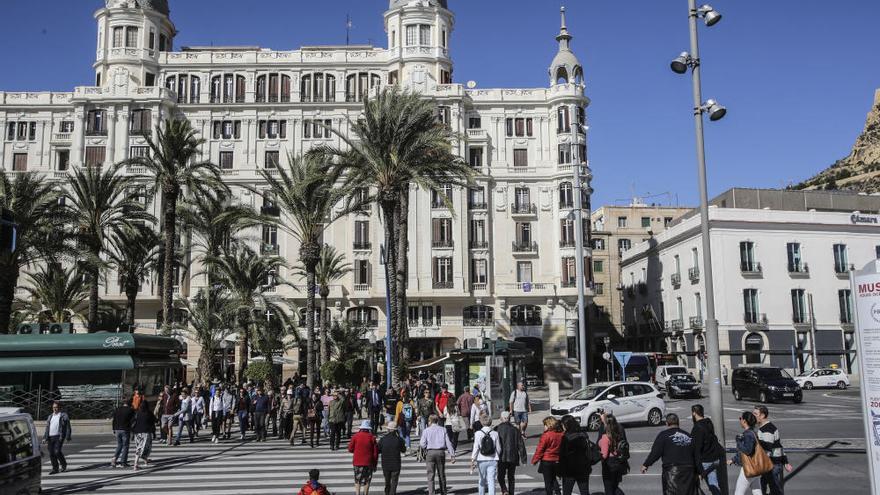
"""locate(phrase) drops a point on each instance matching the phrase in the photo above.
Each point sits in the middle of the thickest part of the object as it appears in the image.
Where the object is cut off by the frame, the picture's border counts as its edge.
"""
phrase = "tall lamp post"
(372, 355)
(577, 164)
(715, 111)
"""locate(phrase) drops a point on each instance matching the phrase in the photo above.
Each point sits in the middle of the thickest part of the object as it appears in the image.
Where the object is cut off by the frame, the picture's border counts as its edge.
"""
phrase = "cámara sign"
(869, 219)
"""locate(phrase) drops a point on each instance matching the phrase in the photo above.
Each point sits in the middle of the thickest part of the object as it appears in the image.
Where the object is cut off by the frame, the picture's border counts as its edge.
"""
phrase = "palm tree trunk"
(311, 372)
(243, 345)
(8, 281)
(325, 324)
(401, 275)
(169, 227)
(205, 366)
(94, 281)
(388, 209)
(131, 292)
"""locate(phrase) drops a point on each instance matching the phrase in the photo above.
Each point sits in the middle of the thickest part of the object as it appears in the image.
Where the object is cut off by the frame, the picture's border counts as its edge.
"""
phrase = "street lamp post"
(372, 355)
(579, 243)
(223, 345)
(715, 111)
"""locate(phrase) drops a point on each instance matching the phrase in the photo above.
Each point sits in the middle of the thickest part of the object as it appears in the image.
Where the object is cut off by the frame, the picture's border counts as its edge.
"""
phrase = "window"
(525, 314)
(94, 156)
(646, 222)
(695, 258)
(393, 38)
(444, 115)
(475, 157)
(152, 39)
(563, 122)
(272, 129)
(569, 272)
(227, 88)
(520, 157)
(362, 234)
(445, 77)
(524, 271)
(598, 288)
(63, 159)
(318, 87)
(795, 263)
(441, 232)
(19, 162)
(598, 266)
(566, 195)
(226, 129)
(317, 129)
(566, 232)
(508, 125)
(139, 152)
(747, 256)
(163, 43)
(140, 121)
(479, 271)
(270, 235)
(478, 234)
(477, 197)
(564, 154)
(424, 35)
(523, 234)
(798, 306)
(439, 199)
(474, 123)
(150, 80)
(364, 316)
(478, 314)
(131, 37)
(750, 305)
(65, 126)
(411, 35)
(844, 301)
(621, 222)
(118, 35)
(443, 38)
(271, 159)
(357, 86)
(598, 244)
(623, 245)
(442, 273)
(877, 252)
(840, 262)
(95, 123)
(18, 444)
(362, 272)
(226, 160)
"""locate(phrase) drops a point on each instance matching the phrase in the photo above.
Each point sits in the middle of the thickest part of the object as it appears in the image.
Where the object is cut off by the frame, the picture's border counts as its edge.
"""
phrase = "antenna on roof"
(347, 28)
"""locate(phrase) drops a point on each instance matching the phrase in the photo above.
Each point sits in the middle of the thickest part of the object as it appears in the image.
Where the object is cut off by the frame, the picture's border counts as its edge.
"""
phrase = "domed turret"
(400, 3)
(565, 68)
(419, 34)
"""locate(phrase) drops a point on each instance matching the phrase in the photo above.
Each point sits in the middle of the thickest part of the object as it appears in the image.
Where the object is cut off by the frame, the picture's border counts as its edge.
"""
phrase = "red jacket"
(442, 400)
(548, 447)
(313, 488)
(365, 449)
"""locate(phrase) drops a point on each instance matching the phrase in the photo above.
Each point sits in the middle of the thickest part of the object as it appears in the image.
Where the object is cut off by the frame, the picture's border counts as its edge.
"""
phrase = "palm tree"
(250, 278)
(330, 268)
(306, 193)
(172, 163)
(101, 206)
(396, 143)
(135, 253)
(40, 224)
(55, 294)
(211, 318)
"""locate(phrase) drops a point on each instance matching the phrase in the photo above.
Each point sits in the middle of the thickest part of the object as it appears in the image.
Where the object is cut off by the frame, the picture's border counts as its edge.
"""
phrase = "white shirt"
(478, 439)
(55, 425)
(217, 404)
(198, 404)
(477, 410)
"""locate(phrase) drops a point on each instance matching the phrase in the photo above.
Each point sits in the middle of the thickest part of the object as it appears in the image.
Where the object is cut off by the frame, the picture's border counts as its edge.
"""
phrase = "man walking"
(243, 409)
(464, 403)
(122, 420)
(170, 403)
(390, 448)
(285, 415)
(57, 431)
(512, 454)
(184, 417)
(520, 407)
(484, 455)
(768, 435)
(676, 448)
(425, 408)
(261, 407)
(374, 402)
(336, 418)
(707, 448)
(437, 444)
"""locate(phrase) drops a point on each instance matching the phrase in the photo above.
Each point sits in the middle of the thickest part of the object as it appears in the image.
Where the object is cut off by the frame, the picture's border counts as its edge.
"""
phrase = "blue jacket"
(745, 444)
(63, 427)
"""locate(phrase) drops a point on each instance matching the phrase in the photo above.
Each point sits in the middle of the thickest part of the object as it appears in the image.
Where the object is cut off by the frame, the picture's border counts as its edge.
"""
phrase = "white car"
(665, 371)
(825, 377)
(630, 402)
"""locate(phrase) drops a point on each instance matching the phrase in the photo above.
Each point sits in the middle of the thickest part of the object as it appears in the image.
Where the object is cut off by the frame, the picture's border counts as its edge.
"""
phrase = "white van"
(665, 371)
(20, 457)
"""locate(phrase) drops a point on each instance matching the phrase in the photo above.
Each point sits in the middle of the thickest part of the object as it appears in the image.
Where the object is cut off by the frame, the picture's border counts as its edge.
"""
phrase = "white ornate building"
(504, 258)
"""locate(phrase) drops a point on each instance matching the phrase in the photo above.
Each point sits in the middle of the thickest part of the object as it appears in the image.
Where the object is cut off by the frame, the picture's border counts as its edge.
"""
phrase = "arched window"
(171, 83)
(578, 75)
(754, 346)
(261, 89)
(566, 196)
(216, 88)
(302, 317)
(357, 86)
(330, 94)
(561, 75)
(363, 316)
(478, 315)
(525, 314)
(563, 120)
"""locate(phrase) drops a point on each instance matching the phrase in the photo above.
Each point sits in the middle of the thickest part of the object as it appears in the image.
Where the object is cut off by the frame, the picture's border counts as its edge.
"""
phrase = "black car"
(20, 456)
(683, 386)
(766, 384)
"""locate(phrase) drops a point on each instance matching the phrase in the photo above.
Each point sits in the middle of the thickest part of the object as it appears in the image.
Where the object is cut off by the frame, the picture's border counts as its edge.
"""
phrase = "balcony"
(142, 132)
(445, 284)
(568, 204)
(568, 284)
(842, 269)
(478, 286)
(136, 169)
(477, 322)
(694, 274)
(523, 209)
(566, 243)
(676, 325)
(751, 269)
(798, 270)
(270, 210)
(475, 244)
(62, 137)
(525, 247)
(696, 322)
(755, 320)
(477, 135)
(675, 279)
(800, 319)
(533, 288)
(96, 132)
(269, 249)
(361, 245)
(442, 243)
(438, 205)
(477, 205)
(361, 287)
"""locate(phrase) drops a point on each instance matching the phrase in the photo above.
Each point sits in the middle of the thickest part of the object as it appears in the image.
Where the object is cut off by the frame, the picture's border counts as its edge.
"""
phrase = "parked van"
(665, 371)
(765, 383)
(20, 457)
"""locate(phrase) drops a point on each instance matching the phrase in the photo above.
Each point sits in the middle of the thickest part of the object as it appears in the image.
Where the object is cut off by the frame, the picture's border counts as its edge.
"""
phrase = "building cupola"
(419, 33)
(565, 67)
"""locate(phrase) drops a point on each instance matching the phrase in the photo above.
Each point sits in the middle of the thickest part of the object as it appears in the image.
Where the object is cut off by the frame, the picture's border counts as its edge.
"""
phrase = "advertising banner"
(866, 296)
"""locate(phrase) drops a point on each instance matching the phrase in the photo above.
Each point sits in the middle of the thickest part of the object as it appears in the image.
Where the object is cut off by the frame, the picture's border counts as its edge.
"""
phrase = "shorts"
(363, 475)
(521, 417)
(166, 420)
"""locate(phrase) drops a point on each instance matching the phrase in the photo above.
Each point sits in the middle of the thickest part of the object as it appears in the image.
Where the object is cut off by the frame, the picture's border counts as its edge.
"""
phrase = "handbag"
(758, 463)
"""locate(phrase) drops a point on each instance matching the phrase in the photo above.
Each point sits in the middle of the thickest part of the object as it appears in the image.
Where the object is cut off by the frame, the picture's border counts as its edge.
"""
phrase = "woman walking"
(547, 453)
(615, 451)
(217, 412)
(745, 445)
(143, 430)
(478, 409)
(366, 456)
(405, 417)
(314, 417)
(574, 464)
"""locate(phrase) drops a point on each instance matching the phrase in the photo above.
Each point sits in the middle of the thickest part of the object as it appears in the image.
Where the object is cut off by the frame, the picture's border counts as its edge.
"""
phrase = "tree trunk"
(205, 367)
(131, 292)
(8, 281)
(311, 371)
(243, 345)
(94, 282)
(388, 209)
(325, 326)
(169, 227)
(401, 275)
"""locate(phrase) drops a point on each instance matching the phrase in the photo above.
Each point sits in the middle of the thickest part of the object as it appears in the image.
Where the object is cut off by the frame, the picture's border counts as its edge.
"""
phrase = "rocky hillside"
(860, 170)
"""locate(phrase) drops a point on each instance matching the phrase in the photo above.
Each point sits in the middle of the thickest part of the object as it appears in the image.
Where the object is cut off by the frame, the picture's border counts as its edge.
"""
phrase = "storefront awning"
(65, 363)
(431, 363)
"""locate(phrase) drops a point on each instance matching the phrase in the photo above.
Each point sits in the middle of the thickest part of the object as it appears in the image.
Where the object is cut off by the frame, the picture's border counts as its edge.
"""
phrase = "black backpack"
(594, 453)
(487, 444)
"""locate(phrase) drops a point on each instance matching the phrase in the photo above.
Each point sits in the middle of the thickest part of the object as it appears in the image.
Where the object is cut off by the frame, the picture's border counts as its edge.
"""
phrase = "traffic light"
(8, 232)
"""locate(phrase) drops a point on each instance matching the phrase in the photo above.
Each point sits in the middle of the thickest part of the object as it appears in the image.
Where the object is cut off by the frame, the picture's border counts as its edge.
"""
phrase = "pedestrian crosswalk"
(234, 467)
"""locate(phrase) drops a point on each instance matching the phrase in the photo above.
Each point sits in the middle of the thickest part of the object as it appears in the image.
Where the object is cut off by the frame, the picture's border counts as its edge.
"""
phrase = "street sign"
(865, 290)
(527, 286)
(622, 358)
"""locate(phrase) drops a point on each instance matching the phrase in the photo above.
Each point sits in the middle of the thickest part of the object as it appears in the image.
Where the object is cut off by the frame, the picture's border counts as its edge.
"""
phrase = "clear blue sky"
(797, 76)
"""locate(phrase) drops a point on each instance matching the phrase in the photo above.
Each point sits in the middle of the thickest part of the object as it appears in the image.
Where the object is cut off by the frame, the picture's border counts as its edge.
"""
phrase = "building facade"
(781, 262)
(615, 229)
(502, 259)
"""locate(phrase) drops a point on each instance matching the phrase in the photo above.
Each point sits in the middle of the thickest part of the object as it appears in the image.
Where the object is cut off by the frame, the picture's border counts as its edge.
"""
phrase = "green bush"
(357, 369)
(258, 371)
(334, 372)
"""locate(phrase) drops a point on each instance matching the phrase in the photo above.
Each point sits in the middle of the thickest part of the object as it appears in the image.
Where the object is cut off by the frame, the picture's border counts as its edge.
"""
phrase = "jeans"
(488, 472)
(189, 428)
(568, 486)
(57, 457)
(349, 423)
(216, 423)
(391, 478)
(453, 437)
(744, 485)
(549, 471)
(507, 476)
(242, 422)
(435, 461)
(122, 440)
(710, 472)
(314, 430)
(611, 481)
(405, 431)
(260, 425)
(335, 435)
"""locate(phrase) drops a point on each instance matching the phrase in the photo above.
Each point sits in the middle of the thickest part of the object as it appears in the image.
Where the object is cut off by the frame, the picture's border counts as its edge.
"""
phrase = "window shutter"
(237, 129)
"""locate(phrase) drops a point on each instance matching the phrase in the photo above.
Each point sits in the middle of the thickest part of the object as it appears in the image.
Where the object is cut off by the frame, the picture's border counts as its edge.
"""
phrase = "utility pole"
(579, 242)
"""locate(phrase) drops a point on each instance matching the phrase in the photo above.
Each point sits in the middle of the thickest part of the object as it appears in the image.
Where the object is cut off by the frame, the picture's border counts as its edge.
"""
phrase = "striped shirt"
(768, 435)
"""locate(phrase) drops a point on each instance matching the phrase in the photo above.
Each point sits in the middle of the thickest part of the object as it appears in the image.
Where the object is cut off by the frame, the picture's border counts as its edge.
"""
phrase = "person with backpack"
(676, 448)
(312, 487)
(747, 446)
(577, 454)
(511, 455)
(615, 454)
(390, 448)
(478, 408)
(547, 453)
(485, 456)
(314, 410)
(405, 417)
(520, 407)
(709, 450)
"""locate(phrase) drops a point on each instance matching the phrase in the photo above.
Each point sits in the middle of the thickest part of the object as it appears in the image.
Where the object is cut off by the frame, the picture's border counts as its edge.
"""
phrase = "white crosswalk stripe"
(233, 467)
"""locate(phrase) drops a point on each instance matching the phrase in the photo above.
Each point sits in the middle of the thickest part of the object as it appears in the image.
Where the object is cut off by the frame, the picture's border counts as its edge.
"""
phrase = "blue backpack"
(407, 412)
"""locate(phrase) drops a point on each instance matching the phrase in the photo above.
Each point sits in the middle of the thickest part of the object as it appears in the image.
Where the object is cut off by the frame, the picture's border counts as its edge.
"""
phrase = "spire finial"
(562, 13)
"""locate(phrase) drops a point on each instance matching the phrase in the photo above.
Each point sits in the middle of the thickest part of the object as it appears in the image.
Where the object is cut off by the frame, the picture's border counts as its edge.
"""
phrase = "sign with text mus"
(865, 287)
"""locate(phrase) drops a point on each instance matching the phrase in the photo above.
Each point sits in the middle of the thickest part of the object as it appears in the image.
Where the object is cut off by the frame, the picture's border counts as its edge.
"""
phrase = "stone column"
(76, 144)
(111, 136)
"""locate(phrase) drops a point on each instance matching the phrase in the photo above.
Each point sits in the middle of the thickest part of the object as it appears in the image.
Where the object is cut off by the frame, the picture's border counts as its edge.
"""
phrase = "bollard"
(553, 388)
